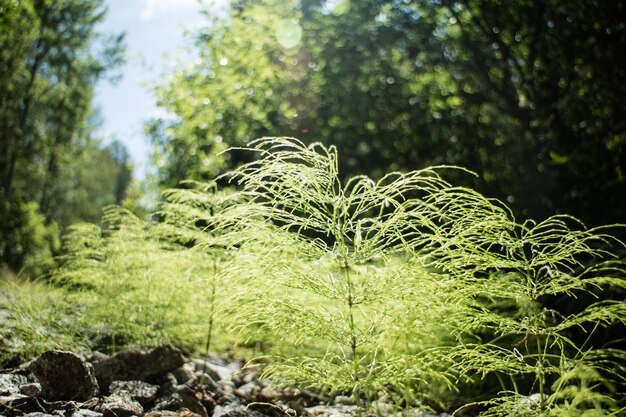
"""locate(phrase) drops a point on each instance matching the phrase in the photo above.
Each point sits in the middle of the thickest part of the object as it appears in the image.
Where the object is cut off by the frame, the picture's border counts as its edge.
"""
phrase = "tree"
(237, 92)
(528, 95)
(47, 73)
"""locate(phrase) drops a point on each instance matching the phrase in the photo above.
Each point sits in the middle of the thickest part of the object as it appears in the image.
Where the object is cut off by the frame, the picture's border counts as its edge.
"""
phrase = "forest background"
(528, 94)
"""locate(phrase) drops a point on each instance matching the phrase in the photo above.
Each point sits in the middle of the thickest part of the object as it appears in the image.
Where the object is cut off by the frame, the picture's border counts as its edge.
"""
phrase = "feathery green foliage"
(337, 272)
(390, 290)
(34, 318)
(135, 286)
(332, 252)
(513, 329)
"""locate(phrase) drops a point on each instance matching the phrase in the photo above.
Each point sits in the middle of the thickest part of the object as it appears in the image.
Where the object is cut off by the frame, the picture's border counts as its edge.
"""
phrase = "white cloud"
(152, 9)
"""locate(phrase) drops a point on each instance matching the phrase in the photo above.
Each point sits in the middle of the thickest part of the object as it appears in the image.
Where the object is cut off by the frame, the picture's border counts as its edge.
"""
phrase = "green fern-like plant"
(390, 289)
(200, 218)
(35, 317)
(511, 330)
(336, 272)
(135, 287)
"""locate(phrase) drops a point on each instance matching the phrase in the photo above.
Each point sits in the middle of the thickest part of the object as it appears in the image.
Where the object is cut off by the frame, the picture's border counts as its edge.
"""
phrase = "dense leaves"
(528, 95)
(52, 170)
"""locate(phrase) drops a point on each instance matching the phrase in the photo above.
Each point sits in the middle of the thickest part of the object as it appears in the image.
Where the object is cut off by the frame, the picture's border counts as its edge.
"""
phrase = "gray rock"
(162, 413)
(183, 412)
(184, 397)
(191, 401)
(327, 411)
(134, 365)
(64, 376)
(226, 390)
(120, 405)
(269, 394)
(6, 399)
(31, 390)
(230, 411)
(205, 380)
(184, 374)
(86, 413)
(217, 372)
(38, 414)
(235, 411)
(250, 377)
(140, 391)
(10, 383)
(248, 391)
(343, 399)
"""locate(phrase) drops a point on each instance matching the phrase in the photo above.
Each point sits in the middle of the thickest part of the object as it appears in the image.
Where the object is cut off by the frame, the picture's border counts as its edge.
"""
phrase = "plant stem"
(353, 337)
(540, 373)
(211, 312)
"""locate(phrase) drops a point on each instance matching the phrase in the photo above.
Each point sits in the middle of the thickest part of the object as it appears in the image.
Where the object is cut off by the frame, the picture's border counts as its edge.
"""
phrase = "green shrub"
(330, 280)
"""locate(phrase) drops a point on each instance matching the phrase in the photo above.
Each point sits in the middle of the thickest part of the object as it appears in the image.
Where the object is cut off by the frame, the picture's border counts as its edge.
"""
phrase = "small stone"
(97, 356)
(10, 383)
(86, 413)
(31, 390)
(250, 376)
(247, 391)
(184, 374)
(226, 390)
(120, 405)
(191, 401)
(382, 408)
(167, 384)
(137, 365)
(230, 411)
(64, 376)
(532, 400)
(184, 397)
(183, 412)
(207, 401)
(269, 394)
(140, 391)
(335, 411)
(217, 372)
(205, 380)
(343, 399)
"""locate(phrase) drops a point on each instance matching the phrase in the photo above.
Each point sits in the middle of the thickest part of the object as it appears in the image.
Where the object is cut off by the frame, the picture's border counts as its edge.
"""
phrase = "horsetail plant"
(384, 290)
(136, 282)
(198, 217)
(512, 330)
(343, 255)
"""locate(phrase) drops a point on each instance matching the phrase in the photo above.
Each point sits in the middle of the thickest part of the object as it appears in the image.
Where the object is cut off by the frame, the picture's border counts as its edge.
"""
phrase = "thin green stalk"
(540, 373)
(207, 347)
(353, 338)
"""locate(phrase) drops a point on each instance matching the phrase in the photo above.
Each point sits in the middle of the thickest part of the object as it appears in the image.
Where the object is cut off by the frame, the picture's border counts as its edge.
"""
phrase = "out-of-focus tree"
(94, 177)
(50, 59)
(542, 85)
(528, 94)
(237, 92)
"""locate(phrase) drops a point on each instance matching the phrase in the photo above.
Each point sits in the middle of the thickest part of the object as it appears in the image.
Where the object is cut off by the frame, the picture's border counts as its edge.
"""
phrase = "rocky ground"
(160, 382)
